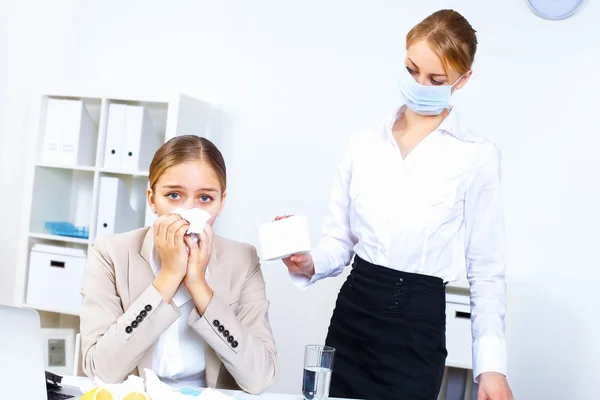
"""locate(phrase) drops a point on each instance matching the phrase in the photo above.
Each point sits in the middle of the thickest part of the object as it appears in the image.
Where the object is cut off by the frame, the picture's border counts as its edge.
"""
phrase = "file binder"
(115, 214)
(140, 140)
(51, 147)
(114, 136)
(78, 135)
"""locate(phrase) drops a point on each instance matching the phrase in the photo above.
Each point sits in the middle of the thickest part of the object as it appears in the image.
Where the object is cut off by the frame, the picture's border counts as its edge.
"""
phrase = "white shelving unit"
(65, 189)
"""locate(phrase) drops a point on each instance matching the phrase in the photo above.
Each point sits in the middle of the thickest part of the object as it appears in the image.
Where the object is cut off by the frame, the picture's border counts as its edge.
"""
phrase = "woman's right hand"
(302, 264)
(169, 230)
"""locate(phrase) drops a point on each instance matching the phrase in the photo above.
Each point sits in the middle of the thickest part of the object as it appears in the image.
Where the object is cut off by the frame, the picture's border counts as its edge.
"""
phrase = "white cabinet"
(458, 376)
(458, 331)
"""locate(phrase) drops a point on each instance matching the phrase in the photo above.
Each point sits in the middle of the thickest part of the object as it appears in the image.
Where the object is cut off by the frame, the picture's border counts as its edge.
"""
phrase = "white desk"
(70, 381)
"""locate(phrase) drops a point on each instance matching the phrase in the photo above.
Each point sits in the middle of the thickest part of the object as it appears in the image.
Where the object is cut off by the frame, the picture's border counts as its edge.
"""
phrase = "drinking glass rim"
(321, 347)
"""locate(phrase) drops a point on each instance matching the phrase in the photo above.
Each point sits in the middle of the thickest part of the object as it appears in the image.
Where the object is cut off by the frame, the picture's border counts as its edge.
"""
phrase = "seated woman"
(193, 311)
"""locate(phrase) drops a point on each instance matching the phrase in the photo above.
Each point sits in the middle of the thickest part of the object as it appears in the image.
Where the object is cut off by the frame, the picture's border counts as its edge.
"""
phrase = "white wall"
(293, 81)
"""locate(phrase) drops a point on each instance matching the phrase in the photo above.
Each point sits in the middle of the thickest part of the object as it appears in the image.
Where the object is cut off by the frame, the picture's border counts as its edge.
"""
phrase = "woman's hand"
(169, 230)
(299, 263)
(199, 256)
(493, 386)
(195, 278)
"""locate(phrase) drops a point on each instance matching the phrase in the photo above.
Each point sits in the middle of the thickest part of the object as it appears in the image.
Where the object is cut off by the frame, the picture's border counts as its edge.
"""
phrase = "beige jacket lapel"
(140, 276)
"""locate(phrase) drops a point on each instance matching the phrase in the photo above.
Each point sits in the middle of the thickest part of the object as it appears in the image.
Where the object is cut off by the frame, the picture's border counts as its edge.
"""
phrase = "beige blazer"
(117, 290)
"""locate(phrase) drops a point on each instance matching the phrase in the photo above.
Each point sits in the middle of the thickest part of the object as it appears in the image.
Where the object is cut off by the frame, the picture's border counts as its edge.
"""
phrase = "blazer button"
(221, 328)
(230, 339)
(134, 324)
(139, 318)
(234, 344)
(148, 308)
(216, 322)
(226, 333)
(144, 313)
(128, 329)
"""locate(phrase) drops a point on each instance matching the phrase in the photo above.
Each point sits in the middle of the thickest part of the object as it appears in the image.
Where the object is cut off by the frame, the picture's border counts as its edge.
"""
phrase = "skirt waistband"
(390, 291)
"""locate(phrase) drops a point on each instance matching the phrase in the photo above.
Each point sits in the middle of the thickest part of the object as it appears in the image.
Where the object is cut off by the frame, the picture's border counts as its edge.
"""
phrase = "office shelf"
(57, 238)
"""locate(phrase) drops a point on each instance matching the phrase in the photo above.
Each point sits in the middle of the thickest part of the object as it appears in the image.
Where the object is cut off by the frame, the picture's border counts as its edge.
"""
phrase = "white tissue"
(279, 239)
(197, 218)
(154, 387)
(157, 389)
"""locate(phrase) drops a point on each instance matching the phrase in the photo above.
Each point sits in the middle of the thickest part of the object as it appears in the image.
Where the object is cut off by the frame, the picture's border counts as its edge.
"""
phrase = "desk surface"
(70, 383)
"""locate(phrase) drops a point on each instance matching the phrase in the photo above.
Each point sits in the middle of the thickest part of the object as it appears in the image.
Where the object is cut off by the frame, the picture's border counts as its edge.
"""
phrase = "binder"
(78, 135)
(114, 136)
(51, 147)
(140, 140)
(115, 214)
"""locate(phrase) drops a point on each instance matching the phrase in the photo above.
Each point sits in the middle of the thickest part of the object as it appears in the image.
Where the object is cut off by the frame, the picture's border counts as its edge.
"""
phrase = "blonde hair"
(450, 35)
(187, 148)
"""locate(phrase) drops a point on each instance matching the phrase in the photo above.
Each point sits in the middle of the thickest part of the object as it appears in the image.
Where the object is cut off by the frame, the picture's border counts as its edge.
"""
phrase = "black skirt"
(389, 332)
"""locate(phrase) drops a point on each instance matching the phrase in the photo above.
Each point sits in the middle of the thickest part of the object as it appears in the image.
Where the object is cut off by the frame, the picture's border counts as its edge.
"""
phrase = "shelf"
(68, 167)
(61, 195)
(115, 172)
(49, 309)
(57, 238)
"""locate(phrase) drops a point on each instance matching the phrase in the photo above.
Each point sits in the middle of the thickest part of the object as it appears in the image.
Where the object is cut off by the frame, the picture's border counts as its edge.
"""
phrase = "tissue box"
(279, 239)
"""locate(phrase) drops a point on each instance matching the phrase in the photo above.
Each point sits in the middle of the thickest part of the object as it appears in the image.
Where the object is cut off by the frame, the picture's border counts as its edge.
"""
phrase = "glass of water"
(318, 363)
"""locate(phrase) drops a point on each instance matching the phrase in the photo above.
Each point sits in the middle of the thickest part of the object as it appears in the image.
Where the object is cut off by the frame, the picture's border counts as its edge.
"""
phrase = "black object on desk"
(53, 387)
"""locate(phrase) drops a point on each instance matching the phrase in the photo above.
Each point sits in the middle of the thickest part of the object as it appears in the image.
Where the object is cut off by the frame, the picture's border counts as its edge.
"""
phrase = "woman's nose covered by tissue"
(197, 218)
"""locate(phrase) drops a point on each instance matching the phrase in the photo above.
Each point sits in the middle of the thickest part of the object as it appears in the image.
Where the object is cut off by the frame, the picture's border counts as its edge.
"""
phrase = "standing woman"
(416, 201)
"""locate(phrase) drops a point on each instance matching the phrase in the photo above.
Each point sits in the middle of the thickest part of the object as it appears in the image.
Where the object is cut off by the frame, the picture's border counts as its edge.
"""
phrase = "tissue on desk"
(154, 388)
(157, 389)
(197, 218)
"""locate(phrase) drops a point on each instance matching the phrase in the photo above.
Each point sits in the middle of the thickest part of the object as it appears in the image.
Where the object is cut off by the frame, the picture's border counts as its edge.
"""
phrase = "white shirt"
(436, 212)
(179, 357)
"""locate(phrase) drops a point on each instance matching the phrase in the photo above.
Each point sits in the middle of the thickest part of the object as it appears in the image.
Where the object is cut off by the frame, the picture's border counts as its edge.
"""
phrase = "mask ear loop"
(458, 80)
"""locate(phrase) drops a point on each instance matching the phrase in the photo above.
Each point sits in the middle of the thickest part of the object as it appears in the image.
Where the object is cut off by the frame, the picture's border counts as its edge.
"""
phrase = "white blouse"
(436, 212)
(179, 356)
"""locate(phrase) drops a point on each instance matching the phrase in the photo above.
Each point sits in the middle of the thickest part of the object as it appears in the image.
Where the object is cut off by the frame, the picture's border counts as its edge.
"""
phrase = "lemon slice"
(104, 394)
(137, 396)
(89, 395)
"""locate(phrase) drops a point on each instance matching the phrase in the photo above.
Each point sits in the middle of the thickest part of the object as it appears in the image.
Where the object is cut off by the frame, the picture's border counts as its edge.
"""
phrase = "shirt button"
(216, 322)
(148, 308)
(382, 251)
(234, 344)
(128, 329)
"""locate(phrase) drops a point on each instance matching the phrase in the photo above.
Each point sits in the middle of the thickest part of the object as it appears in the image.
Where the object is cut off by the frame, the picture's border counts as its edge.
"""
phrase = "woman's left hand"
(195, 278)
(493, 386)
(198, 257)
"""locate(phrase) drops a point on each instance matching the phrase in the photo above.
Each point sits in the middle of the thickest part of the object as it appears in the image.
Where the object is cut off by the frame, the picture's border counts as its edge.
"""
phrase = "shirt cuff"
(321, 262)
(489, 355)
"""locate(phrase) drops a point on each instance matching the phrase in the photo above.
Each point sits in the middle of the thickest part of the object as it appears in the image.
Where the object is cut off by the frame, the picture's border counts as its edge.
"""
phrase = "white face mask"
(425, 100)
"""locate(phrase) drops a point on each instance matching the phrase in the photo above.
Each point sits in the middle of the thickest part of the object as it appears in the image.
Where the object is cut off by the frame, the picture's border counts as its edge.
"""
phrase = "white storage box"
(55, 278)
(458, 331)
